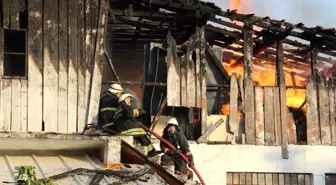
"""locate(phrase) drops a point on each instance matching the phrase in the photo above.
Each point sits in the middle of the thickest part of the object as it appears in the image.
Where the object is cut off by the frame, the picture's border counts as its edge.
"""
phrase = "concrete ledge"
(108, 148)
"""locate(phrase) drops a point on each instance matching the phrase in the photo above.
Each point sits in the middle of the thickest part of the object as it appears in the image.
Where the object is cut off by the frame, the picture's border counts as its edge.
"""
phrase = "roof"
(56, 164)
(140, 22)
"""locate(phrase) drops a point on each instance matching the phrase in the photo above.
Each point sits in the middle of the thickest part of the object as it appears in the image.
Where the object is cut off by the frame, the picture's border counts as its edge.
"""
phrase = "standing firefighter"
(173, 157)
(126, 123)
(108, 107)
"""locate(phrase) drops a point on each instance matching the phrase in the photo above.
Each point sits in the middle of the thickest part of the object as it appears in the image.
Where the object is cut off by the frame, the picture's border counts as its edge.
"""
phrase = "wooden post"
(204, 101)
(233, 121)
(269, 116)
(324, 111)
(259, 116)
(248, 85)
(331, 92)
(313, 128)
(277, 118)
(282, 92)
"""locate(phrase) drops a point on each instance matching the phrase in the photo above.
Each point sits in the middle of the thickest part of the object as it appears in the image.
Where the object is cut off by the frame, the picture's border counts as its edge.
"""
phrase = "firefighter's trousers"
(179, 163)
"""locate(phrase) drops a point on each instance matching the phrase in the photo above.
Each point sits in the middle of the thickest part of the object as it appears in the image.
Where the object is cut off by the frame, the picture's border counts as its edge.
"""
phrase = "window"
(330, 179)
(15, 59)
(240, 178)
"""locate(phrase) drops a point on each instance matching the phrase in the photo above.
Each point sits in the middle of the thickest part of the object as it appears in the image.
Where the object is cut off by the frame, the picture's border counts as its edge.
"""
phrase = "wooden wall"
(65, 54)
(320, 101)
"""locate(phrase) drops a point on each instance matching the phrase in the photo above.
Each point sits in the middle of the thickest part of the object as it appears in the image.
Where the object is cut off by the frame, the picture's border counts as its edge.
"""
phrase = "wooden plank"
(15, 83)
(241, 92)
(291, 128)
(98, 64)
(81, 69)
(275, 179)
(301, 179)
(254, 178)
(184, 91)
(324, 111)
(229, 178)
(259, 116)
(269, 116)
(50, 65)
(281, 179)
(233, 121)
(88, 53)
(198, 75)
(190, 78)
(62, 125)
(283, 106)
(173, 74)
(331, 93)
(268, 179)
(250, 129)
(294, 179)
(158, 114)
(73, 66)
(261, 179)
(6, 13)
(308, 180)
(242, 179)
(287, 179)
(35, 65)
(210, 129)
(312, 112)
(248, 178)
(24, 106)
(204, 103)
(277, 118)
(235, 178)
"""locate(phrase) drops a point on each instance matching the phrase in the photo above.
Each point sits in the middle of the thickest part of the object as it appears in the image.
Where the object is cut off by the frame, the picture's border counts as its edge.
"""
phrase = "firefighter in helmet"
(108, 106)
(126, 123)
(173, 157)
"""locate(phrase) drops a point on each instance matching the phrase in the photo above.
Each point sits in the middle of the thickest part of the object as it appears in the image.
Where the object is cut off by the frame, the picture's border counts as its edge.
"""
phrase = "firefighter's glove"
(191, 161)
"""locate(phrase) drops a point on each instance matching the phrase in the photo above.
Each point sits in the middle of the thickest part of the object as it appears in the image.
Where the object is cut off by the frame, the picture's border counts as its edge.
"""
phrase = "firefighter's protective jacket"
(178, 139)
(107, 108)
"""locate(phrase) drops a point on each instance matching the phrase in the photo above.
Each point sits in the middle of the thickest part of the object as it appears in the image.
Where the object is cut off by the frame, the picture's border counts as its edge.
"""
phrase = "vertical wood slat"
(248, 85)
(324, 111)
(184, 91)
(312, 112)
(277, 118)
(301, 179)
(308, 180)
(88, 54)
(281, 179)
(261, 179)
(283, 106)
(241, 92)
(331, 93)
(173, 74)
(63, 67)
(235, 178)
(254, 178)
(98, 64)
(259, 116)
(294, 179)
(248, 178)
(15, 124)
(287, 179)
(242, 179)
(291, 128)
(233, 121)
(6, 84)
(268, 179)
(275, 179)
(198, 76)
(50, 65)
(81, 69)
(204, 101)
(269, 116)
(73, 65)
(229, 178)
(35, 65)
(190, 76)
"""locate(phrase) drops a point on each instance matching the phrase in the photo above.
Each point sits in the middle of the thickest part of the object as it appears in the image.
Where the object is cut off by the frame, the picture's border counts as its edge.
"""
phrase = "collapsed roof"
(142, 21)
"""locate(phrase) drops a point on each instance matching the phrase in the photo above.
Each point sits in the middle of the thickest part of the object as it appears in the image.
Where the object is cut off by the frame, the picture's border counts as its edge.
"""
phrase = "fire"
(226, 110)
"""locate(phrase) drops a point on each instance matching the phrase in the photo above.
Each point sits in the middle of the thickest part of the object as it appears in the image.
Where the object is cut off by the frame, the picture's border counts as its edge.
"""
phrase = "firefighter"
(126, 123)
(173, 157)
(108, 106)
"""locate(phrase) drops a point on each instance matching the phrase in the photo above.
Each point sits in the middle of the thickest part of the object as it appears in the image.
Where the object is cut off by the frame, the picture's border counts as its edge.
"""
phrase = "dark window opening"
(330, 179)
(15, 58)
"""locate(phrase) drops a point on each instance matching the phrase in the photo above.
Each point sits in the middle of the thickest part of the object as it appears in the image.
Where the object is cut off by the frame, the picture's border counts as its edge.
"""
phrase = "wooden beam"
(211, 129)
(217, 62)
(158, 114)
(324, 111)
(250, 129)
(233, 119)
(282, 92)
(204, 100)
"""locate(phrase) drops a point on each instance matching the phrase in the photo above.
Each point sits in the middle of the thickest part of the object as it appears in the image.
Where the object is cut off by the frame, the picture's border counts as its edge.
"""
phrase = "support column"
(282, 91)
(250, 129)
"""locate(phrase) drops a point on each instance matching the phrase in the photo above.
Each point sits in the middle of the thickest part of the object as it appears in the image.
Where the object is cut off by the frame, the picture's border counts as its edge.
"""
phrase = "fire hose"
(173, 148)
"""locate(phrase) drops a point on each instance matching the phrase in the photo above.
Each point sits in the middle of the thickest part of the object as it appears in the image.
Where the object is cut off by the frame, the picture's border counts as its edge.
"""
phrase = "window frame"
(3, 76)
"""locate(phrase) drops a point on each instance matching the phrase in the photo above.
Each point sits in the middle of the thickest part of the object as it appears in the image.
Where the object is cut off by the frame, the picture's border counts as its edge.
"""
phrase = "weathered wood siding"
(64, 52)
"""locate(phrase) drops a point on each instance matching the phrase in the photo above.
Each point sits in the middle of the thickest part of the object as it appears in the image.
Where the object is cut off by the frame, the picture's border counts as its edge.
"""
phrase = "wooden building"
(51, 63)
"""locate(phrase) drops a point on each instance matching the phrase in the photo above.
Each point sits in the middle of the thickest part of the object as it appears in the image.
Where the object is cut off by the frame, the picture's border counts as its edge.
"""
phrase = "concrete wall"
(213, 161)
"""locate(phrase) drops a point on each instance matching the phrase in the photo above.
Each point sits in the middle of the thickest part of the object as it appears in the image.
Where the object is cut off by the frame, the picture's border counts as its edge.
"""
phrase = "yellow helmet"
(124, 96)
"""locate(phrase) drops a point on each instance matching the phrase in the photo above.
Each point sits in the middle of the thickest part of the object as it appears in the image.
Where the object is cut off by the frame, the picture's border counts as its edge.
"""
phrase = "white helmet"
(115, 88)
(124, 96)
(172, 121)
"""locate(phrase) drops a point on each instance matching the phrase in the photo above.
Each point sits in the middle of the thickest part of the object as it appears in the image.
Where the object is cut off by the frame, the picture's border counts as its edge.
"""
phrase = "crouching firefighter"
(108, 106)
(173, 157)
(126, 123)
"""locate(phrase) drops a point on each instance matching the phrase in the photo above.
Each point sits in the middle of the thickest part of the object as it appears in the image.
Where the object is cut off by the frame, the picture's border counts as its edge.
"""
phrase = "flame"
(226, 110)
